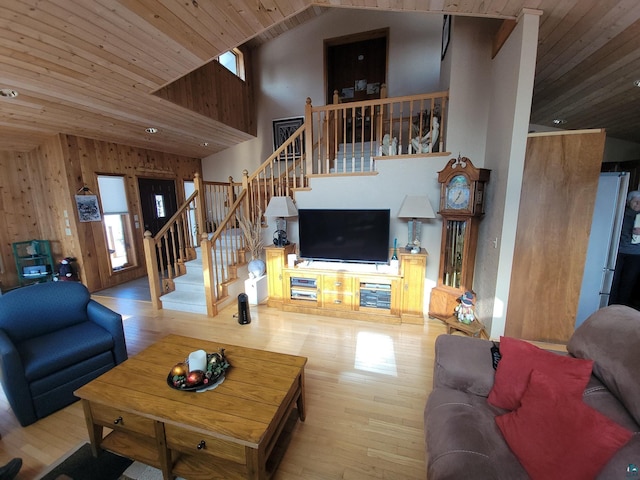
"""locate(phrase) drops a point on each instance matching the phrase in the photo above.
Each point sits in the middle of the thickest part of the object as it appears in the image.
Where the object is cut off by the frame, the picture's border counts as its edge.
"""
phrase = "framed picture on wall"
(283, 128)
(88, 209)
(446, 35)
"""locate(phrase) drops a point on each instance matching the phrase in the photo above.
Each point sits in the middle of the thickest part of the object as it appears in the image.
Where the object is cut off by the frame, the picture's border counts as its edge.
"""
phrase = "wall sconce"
(415, 207)
(282, 208)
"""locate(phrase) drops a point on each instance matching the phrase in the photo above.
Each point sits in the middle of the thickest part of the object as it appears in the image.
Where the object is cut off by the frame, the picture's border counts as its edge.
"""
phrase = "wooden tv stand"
(349, 291)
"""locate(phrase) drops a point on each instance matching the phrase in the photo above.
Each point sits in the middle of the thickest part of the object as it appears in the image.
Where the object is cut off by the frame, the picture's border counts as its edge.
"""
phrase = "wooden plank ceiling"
(89, 67)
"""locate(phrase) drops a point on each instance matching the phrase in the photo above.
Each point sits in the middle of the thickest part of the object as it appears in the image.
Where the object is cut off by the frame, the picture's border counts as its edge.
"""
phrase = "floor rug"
(81, 465)
(140, 471)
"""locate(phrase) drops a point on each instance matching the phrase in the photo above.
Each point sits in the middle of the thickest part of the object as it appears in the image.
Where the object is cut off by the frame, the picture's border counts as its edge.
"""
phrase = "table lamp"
(281, 207)
(415, 207)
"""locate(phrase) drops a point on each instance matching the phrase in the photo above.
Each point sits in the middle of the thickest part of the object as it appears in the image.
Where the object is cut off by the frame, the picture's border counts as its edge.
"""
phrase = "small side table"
(473, 329)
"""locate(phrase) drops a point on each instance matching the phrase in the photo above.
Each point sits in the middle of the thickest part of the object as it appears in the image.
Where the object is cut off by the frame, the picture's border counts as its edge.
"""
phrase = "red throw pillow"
(519, 358)
(556, 437)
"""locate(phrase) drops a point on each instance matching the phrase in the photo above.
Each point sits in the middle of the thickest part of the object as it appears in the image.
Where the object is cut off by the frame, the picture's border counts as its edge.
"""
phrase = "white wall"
(395, 179)
(512, 74)
(470, 87)
(488, 123)
(290, 68)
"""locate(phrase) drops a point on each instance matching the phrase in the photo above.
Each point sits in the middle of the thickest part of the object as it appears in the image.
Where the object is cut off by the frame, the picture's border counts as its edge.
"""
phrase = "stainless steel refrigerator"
(603, 244)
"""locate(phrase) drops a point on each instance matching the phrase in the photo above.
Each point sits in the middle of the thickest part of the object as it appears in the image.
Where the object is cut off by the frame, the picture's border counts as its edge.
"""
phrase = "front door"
(157, 201)
(158, 204)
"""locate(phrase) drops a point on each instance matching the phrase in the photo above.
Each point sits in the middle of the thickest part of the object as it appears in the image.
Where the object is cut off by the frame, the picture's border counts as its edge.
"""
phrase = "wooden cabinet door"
(275, 260)
(558, 194)
(413, 267)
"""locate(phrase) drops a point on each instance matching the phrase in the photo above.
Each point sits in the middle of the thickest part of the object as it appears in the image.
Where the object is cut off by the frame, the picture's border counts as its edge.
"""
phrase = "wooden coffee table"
(239, 430)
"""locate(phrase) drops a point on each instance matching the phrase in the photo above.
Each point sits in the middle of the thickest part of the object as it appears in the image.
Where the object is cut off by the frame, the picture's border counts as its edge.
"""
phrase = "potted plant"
(252, 230)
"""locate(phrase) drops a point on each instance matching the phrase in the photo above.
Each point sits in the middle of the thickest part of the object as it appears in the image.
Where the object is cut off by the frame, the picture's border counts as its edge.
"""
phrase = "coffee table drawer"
(196, 443)
(121, 420)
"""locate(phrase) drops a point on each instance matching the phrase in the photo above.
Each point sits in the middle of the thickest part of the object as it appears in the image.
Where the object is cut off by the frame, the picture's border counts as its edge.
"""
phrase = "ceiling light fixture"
(637, 83)
(8, 93)
(559, 121)
(205, 144)
(151, 130)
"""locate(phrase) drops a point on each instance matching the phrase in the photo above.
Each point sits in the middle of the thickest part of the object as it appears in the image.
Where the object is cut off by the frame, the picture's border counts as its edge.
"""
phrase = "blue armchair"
(53, 339)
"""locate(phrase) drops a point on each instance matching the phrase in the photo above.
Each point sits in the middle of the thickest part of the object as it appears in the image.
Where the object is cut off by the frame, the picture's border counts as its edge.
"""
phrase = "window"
(233, 61)
(160, 213)
(115, 218)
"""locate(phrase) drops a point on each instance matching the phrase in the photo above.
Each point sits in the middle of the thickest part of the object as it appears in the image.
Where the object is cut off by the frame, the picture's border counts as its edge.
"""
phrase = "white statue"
(389, 148)
(424, 144)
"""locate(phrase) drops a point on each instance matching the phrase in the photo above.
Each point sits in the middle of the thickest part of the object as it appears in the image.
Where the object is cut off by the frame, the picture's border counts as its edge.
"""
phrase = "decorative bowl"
(217, 365)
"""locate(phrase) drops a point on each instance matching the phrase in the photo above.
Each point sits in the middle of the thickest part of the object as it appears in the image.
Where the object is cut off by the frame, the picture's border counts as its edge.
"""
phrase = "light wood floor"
(367, 385)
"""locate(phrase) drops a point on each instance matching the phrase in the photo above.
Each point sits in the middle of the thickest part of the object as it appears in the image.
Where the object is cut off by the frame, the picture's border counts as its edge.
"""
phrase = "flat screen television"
(344, 235)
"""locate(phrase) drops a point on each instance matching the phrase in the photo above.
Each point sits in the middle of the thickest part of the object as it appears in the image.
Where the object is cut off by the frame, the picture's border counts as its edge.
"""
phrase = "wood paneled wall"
(215, 92)
(18, 217)
(37, 198)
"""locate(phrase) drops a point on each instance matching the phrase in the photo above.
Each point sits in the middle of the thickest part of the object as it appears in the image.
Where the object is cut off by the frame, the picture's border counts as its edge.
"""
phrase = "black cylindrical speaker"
(244, 315)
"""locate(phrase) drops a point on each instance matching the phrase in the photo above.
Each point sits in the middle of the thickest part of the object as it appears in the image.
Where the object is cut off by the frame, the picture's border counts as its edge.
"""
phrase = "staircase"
(318, 147)
(354, 157)
(189, 294)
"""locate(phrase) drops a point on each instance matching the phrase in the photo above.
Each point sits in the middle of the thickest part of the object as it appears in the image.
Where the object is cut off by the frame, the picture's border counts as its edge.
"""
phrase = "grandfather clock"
(462, 188)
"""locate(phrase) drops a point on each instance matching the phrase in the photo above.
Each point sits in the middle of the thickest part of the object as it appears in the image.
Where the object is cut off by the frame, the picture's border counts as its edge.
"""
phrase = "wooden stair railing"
(218, 199)
(279, 175)
(214, 208)
(167, 251)
(221, 255)
(207, 217)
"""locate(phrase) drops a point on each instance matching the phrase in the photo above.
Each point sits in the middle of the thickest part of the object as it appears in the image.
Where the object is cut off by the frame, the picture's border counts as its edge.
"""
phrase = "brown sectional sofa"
(462, 436)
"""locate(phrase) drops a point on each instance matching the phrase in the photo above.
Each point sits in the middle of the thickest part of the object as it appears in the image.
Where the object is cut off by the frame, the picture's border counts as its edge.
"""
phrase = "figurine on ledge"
(464, 310)
(428, 142)
(389, 147)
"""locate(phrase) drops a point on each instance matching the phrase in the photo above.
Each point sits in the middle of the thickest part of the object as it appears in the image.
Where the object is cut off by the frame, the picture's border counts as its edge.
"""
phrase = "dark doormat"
(81, 465)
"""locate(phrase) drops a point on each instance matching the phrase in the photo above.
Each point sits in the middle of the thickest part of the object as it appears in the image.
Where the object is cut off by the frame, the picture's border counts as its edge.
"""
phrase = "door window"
(116, 221)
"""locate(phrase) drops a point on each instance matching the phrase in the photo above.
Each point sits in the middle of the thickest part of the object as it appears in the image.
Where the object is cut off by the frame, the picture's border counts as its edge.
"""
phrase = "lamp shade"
(416, 206)
(281, 207)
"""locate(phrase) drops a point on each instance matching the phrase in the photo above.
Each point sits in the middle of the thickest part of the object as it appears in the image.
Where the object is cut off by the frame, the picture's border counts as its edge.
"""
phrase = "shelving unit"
(386, 297)
(34, 261)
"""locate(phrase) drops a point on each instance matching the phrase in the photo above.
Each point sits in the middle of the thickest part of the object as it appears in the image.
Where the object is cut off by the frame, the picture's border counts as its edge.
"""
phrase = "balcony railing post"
(246, 207)
(231, 196)
(201, 207)
(207, 273)
(152, 269)
(380, 125)
(308, 136)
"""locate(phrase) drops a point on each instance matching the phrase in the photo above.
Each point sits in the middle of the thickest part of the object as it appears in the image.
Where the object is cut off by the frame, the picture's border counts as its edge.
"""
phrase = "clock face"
(458, 191)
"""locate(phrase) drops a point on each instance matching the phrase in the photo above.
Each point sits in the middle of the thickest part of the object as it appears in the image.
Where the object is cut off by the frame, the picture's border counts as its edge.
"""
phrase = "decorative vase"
(256, 267)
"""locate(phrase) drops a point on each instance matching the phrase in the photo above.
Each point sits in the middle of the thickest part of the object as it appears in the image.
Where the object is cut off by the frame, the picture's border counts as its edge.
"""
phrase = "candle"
(198, 360)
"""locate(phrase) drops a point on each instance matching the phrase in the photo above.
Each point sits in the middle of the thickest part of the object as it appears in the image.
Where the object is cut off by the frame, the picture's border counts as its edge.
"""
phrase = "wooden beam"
(501, 35)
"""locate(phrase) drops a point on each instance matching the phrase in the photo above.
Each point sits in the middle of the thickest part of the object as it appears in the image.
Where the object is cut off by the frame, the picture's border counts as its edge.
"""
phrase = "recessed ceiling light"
(559, 121)
(151, 130)
(205, 144)
(637, 83)
(8, 93)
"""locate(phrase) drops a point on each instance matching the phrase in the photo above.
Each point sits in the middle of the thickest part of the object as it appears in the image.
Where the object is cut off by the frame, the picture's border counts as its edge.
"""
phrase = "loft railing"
(349, 137)
(342, 138)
